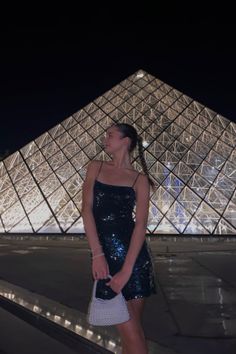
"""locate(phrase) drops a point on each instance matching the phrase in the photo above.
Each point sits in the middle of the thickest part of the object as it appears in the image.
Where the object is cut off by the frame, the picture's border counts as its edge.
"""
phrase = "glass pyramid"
(190, 152)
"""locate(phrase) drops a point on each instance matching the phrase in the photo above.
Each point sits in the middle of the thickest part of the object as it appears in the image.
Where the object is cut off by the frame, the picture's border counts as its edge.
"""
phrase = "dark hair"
(129, 131)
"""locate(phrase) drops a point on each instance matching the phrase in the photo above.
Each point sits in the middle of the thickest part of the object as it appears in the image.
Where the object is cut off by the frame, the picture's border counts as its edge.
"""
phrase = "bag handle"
(95, 285)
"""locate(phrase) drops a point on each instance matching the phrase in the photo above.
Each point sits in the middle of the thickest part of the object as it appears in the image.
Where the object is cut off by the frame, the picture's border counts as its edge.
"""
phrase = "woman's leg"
(131, 332)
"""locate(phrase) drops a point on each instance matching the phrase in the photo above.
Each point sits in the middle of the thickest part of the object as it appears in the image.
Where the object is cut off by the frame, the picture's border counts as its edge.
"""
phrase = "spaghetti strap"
(99, 169)
(136, 179)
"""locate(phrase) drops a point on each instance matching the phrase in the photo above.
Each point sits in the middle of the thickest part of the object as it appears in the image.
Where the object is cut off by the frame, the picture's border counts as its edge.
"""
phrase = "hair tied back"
(140, 139)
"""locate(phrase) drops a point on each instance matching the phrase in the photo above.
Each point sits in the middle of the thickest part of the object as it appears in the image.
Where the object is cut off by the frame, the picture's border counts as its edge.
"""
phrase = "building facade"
(190, 152)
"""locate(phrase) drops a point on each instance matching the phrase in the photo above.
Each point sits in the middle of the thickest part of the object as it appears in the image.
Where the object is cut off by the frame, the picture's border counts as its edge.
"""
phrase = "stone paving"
(193, 312)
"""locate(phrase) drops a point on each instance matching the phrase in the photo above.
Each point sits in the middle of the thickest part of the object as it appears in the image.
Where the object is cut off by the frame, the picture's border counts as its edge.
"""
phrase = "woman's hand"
(100, 268)
(119, 280)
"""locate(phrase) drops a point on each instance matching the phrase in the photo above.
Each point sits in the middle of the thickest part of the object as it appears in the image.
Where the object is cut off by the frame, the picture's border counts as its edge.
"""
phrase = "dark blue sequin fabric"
(113, 213)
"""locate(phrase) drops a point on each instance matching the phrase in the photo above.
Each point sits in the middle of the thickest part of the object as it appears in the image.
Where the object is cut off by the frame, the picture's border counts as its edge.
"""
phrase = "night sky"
(50, 71)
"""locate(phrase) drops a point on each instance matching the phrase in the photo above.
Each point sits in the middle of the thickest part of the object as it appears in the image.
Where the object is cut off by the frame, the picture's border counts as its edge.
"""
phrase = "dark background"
(54, 65)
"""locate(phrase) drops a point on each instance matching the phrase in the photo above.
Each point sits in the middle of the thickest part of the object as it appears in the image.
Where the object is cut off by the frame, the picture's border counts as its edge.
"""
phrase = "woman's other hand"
(119, 280)
(100, 268)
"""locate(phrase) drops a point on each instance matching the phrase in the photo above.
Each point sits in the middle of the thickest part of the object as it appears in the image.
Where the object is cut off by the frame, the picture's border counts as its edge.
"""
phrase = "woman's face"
(113, 140)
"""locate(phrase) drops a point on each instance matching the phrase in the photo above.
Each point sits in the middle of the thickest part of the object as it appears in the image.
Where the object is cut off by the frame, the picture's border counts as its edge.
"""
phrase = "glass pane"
(162, 199)
(159, 171)
(169, 160)
(189, 200)
(225, 185)
(199, 185)
(216, 199)
(230, 171)
(69, 122)
(35, 160)
(166, 227)
(178, 216)
(32, 199)
(12, 216)
(67, 215)
(230, 214)
(194, 227)
(13, 160)
(39, 216)
(192, 160)
(224, 228)
(25, 185)
(207, 216)
(7, 198)
(207, 171)
(18, 172)
(183, 171)
(173, 184)
(215, 159)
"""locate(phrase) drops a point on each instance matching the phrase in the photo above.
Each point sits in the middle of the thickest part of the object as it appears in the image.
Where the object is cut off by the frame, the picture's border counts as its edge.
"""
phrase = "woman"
(110, 191)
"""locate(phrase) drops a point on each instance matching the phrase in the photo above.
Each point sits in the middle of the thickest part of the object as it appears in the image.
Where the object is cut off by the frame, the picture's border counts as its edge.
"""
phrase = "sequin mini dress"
(113, 213)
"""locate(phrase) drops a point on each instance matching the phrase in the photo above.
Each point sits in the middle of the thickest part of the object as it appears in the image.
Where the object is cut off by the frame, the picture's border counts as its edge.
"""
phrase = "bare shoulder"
(142, 182)
(142, 187)
(93, 166)
(94, 163)
(143, 179)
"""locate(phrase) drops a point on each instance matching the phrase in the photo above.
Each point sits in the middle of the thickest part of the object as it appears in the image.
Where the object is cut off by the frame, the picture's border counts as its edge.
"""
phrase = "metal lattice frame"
(190, 151)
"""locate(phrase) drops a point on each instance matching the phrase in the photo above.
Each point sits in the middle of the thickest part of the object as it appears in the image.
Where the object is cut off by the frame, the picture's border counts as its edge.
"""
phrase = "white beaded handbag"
(107, 312)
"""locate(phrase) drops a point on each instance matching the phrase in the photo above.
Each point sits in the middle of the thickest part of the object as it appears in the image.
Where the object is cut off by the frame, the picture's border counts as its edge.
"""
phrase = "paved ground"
(17, 336)
(193, 312)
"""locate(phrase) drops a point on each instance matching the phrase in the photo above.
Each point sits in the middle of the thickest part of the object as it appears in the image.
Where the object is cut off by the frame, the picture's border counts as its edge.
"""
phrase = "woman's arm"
(87, 205)
(100, 267)
(139, 232)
